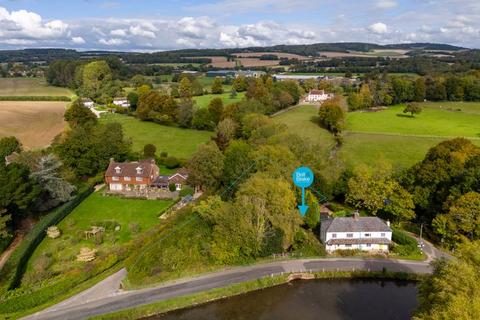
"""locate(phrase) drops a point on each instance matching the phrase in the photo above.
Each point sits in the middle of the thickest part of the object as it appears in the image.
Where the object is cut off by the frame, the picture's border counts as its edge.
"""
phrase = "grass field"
(431, 122)
(203, 101)
(302, 121)
(464, 107)
(30, 87)
(384, 135)
(134, 216)
(35, 123)
(177, 142)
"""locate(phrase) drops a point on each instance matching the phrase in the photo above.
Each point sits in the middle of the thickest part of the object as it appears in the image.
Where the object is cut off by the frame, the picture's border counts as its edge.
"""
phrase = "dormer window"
(139, 170)
(118, 170)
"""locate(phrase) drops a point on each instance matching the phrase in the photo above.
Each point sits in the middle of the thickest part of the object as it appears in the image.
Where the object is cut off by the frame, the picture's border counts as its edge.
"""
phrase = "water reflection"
(319, 299)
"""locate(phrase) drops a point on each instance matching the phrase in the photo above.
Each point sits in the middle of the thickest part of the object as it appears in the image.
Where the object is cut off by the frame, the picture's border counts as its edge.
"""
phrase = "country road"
(105, 297)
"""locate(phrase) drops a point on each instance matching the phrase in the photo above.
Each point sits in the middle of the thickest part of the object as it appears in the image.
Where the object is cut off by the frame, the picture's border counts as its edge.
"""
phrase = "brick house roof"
(316, 92)
(144, 169)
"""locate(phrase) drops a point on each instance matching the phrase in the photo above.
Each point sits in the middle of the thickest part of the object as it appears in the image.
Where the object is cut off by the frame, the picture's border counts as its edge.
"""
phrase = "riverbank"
(201, 298)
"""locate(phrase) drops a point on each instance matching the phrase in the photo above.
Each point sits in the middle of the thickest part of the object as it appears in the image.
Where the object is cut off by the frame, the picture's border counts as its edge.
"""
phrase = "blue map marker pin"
(303, 178)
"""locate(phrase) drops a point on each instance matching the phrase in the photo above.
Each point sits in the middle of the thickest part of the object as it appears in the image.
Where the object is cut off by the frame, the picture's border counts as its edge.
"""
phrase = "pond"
(312, 299)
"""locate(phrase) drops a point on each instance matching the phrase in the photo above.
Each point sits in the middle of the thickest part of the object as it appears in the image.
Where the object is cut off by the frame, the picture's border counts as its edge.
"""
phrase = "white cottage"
(121, 102)
(318, 96)
(87, 102)
(356, 233)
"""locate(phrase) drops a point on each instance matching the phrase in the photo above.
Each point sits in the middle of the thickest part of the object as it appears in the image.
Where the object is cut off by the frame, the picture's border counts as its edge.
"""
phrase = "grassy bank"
(242, 288)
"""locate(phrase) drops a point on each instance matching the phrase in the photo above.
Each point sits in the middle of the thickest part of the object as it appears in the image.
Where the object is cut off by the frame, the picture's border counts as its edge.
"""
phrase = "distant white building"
(299, 77)
(87, 102)
(121, 102)
(318, 96)
(356, 233)
(250, 73)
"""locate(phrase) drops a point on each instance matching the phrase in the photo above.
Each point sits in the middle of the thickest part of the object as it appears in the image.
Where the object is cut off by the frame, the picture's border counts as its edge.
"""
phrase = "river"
(312, 299)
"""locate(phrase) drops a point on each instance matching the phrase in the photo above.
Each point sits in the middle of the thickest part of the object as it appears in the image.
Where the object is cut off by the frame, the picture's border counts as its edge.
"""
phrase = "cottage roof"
(355, 224)
(358, 241)
(119, 98)
(129, 169)
(315, 91)
(86, 100)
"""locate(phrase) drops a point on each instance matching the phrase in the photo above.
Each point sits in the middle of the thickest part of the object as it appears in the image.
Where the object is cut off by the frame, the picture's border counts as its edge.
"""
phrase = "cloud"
(78, 40)
(386, 4)
(378, 27)
(118, 32)
(113, 42)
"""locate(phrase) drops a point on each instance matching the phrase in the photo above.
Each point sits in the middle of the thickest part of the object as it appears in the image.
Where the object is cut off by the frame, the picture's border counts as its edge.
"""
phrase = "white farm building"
(318, 96)
(356, 233)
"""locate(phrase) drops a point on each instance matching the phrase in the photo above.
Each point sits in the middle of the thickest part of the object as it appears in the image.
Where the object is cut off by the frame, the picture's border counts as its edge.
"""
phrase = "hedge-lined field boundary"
(12, 272)
(35, 98)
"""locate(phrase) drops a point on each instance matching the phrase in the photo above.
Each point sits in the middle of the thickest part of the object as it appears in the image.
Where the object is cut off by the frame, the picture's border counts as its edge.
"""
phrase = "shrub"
(172, 162)
(172, 187)
(187, 191)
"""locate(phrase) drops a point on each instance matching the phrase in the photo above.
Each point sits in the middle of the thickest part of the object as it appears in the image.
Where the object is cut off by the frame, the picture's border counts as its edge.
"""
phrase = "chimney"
(388, 223)
(112, 160)
(356, 214)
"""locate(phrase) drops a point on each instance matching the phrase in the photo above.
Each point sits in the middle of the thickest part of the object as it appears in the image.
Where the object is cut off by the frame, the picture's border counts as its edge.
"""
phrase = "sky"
(147, 25)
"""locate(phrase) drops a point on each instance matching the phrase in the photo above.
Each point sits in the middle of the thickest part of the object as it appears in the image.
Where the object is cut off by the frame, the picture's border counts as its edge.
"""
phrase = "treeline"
(263, 95)
(383, 90)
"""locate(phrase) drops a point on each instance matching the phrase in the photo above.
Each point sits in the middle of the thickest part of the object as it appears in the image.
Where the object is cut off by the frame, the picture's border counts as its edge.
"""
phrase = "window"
(367, 235)
(348, 246)
(115, 178)
(349, 235)
(382, 234)
(138, 178)
(127, 178)
(334, 235)
(368, 245)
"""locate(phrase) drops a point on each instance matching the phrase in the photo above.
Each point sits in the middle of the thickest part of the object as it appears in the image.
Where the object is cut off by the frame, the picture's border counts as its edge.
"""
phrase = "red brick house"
(126, 176)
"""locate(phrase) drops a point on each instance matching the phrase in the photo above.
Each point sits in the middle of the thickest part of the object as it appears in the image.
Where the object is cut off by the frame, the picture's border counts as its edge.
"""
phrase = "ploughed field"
(35, 123)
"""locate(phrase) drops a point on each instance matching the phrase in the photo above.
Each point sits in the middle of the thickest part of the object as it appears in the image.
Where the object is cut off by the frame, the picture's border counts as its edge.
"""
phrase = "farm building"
(250, 73)
(221, 73)
(299, 77)
(87, 102)
(356, 233)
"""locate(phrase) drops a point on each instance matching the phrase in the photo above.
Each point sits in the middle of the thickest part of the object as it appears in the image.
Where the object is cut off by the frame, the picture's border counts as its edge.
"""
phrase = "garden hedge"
(12, 272)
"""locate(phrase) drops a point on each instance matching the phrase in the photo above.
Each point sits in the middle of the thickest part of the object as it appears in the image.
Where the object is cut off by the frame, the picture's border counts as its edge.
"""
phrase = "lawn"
(302, 121)
(432, 122)
(203, 101)
(30, 87)
(454, 106)
(176, 141)
(133, 216)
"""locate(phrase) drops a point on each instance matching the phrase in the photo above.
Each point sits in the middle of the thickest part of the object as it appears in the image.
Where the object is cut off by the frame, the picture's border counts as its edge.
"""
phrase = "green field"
(464, 107)
(30, 87)
(302, 121)
(401, 140)
(203, 101)
(431, 122)
(134, 216)
(177, 142)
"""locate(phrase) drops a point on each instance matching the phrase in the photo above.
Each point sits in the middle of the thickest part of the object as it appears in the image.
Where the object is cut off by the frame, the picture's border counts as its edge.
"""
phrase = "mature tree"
(217, 85)
(366, 97)
(157, 107)
(197, 88)
(202, 120)
(215, 107)
(132, 98)
(96, 75)
(452, 291)
(9, 145)
(239, 164)
(4, 219)
(139, 80)
(225, 131)
(374, 189)
(79, 115)
(206, 166)
(185, 88)
(332, 116)
(253, 121)
(240, 84)
(184, 114)
(312, 217)
(48, 176)
(354, 101)
(420, 90)
(149, 151)
(17, 191)
(413, 109)
(143, 90)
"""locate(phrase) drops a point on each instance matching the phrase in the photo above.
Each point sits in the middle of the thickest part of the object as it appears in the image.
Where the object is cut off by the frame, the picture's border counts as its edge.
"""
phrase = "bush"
(405, 245)
(172, 187)
(13, 270)
(172, 162)
(187, 191)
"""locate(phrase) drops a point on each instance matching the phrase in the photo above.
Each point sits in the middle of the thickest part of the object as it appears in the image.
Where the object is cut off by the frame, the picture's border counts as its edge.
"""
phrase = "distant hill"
(30, 55)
